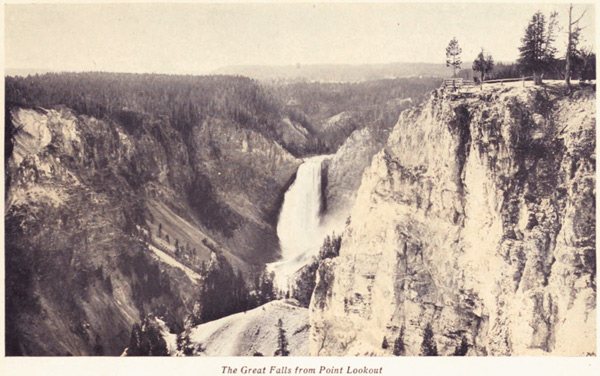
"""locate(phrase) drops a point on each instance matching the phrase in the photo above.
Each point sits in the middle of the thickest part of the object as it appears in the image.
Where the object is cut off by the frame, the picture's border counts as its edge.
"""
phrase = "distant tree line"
(184, 101)
(129, 98)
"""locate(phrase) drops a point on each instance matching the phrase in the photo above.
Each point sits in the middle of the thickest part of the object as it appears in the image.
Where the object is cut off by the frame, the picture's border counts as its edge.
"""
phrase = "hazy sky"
(196, 38)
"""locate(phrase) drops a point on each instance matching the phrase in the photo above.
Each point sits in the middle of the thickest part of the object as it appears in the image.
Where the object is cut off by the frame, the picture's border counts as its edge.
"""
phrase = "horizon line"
(213, 71)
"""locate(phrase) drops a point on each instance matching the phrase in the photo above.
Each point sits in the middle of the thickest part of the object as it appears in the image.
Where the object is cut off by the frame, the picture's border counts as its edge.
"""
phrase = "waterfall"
(299, 229)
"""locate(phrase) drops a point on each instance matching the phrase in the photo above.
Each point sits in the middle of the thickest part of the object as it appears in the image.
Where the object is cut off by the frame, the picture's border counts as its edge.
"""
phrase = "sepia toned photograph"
(300, 179)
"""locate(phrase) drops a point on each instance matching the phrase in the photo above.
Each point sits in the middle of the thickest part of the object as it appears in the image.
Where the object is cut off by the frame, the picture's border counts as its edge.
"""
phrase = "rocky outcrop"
(343, 173)
(473, 233)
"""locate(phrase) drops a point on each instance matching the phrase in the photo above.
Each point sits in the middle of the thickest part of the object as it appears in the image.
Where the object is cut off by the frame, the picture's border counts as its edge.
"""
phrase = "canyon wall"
(109, 220)
(473, 233)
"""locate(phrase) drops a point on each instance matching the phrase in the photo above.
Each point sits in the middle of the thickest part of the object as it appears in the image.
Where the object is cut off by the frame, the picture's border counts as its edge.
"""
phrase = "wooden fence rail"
(501, 80)
(460, 83)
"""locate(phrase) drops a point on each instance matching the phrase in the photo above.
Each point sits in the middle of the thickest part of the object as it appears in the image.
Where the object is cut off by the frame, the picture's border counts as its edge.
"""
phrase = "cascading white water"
(299, 230)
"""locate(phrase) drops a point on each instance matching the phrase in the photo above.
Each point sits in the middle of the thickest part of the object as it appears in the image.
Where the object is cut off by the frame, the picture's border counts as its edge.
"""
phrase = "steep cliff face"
(249, 175)
(473, 233)
(77, 273)
(106, 223)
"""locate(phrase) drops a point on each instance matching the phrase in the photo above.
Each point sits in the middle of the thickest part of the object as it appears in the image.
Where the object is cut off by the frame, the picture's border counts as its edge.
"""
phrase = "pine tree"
(587, 66)
(184, 344)
(384, 344)
(453, 52)
(463, 348)
(483, 64)
(537, 51)
(240, 293)
(399, 347)
(195, 317)
(281, 341)
(146, 340)
(428, 347)
(223, 291)
(266, 291)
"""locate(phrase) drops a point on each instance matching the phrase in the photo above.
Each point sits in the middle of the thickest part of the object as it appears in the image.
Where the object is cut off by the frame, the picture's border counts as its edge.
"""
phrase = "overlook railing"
(461, 83)
(458, 83)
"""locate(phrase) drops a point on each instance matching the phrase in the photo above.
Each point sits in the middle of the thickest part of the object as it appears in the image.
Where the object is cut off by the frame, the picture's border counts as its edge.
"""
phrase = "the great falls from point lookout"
(467, 221)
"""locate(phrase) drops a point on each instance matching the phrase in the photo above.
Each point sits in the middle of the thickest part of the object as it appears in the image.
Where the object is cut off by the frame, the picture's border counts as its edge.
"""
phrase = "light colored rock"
(477, 221)
(33, 135)
(344, 173)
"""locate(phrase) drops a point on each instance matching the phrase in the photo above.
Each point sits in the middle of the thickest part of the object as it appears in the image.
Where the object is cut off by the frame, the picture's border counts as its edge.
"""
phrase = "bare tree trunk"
(568, 65)
(570, 46)
(537, 78)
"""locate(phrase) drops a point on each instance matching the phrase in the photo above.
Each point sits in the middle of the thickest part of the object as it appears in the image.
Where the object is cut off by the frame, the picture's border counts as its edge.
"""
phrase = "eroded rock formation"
(473, 232)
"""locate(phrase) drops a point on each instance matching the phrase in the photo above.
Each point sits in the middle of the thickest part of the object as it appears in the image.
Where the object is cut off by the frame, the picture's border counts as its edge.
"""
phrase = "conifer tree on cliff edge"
(537, 52)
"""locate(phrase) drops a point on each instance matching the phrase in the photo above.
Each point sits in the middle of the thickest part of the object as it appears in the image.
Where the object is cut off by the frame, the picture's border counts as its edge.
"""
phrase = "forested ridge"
(375, 104)
(184, 100)
(188, 100)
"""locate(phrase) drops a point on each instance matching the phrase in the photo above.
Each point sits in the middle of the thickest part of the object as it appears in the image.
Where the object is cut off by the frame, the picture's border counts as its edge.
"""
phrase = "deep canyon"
(147, 212)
